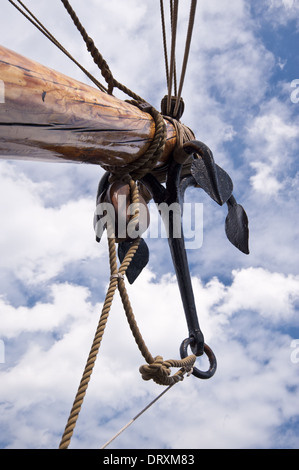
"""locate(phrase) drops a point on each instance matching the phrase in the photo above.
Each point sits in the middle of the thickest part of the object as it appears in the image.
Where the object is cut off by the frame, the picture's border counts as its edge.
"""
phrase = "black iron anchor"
(203, 172)
(173, 193)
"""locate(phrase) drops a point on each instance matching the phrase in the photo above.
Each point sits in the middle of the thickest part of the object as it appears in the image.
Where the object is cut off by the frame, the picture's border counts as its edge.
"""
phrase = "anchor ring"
(211, 356)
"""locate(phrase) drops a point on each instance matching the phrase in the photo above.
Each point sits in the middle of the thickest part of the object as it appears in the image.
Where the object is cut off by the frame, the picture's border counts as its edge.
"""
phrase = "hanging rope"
(156, 368)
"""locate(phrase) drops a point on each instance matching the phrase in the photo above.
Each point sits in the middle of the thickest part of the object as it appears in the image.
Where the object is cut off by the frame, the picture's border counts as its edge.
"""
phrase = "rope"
(174, 11)
(146, 162)
(115, 278)
(164, 40)
(97, 56)
(139, 168)
(171, 70)
(30, 16)
(172, 16)
(156, 368)
(186, 53)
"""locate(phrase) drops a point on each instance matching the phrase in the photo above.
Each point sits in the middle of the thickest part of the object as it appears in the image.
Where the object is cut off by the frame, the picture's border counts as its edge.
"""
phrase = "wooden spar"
(45, 115)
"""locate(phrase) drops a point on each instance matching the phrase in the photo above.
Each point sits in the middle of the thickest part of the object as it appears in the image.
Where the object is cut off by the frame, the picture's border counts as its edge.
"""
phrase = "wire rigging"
(170, 65)
(187, 50)
(32, 18)
(172, 74)
(141, 412)
(156, 368)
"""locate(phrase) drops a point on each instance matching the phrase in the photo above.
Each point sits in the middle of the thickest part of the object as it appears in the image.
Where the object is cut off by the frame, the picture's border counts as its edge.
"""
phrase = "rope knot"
(158, 370)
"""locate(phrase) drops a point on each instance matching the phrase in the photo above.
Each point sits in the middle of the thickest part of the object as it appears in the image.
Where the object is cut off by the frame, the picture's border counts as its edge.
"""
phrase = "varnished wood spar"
(45, 115)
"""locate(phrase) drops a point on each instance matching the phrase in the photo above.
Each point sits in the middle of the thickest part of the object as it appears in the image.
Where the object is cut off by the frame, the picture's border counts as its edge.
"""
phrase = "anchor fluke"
(236, 225)
(139, 261)
(208, 175)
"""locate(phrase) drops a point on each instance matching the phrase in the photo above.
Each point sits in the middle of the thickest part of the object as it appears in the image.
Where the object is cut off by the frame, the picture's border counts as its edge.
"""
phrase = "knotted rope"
(147, 161)
(139, 168)
(159, 370)
(156, 368)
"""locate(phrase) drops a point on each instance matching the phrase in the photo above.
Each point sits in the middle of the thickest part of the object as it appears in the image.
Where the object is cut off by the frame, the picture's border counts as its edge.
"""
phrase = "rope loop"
(156, 368)
(146, 163)
(159, 370)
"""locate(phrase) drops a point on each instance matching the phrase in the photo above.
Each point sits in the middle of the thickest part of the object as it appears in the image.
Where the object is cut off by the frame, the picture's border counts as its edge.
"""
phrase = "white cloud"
(270, 294)
(271, 138)
(278, 12)
(272, 129)
(67, 303)
(47, 214)
(264, 181)
(238, 406)
(38, 241)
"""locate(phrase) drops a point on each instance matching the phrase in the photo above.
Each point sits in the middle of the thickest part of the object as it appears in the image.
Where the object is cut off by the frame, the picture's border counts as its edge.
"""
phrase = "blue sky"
(53, 275)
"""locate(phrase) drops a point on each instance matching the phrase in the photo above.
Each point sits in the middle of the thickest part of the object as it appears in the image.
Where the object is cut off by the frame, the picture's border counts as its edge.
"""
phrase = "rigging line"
(96, 55)
(174, 71)
(32, 18)
(98, 58)
(164, 41)
(174, 9)
(186, 54)
(140, 413)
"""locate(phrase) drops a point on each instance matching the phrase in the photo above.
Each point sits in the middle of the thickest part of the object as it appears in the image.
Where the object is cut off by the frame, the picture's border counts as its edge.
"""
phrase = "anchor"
(207, 175)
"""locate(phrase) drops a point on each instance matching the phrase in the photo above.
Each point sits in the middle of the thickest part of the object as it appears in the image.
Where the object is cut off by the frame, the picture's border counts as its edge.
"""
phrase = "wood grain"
(45, 115)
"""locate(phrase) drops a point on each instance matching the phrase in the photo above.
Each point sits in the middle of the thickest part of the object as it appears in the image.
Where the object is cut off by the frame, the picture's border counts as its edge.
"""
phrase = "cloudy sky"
(241, 100)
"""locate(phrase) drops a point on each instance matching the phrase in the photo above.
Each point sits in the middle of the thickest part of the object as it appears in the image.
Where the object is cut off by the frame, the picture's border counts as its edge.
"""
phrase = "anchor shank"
(176, 243)
(180, 262)
(179, 258)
